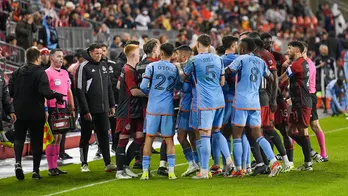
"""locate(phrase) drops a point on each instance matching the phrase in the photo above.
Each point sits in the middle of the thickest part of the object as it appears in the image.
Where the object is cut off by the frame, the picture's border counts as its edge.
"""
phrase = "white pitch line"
(107, 181)
(97, 183)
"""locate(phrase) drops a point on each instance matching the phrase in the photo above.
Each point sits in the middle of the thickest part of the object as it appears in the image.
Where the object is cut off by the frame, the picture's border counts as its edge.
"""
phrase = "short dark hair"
(204, 39)
(339, 82)
(185, 48)
(220, 50)
(228, 40)
(103, 45)
(265, 35)
(135, 42)
(249, 43)
(56, 50)
(116, 37)
(244, 33)
(32, 54)
(254, 35)
(94, 46)
(167, 48)
(144, 36)
(10, 38)
(150, 45)
(297, 44)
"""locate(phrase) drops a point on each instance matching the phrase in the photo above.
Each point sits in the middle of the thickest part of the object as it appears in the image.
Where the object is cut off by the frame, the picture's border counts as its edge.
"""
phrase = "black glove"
(59, 98)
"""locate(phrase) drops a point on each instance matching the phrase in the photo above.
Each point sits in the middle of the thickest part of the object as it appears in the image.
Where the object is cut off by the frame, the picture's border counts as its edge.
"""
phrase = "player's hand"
(73, 114)
(88, 117)
(46, 116)
(112, 112)
(273, 106)
(289, 102)
(322, 64)
(341, 111)
(13, 118)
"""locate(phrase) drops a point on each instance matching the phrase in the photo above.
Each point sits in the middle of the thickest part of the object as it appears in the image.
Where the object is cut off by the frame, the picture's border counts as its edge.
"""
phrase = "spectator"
(128, 20)
(142, 21)
(45, 58)
(116, 43)
(49, 11)
(97, 12)
(340, 22)
(37, 19)
(11, 39)
(103, 34)
(6, 10)
(40, 44)
(125, 38)
(63, 19)
(49, 34)
(163, 39)
(25, 29)
(275, 15)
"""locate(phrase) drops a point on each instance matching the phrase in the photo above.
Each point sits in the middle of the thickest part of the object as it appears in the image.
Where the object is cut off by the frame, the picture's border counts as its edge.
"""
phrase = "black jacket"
(94, 90)
(120, 61)
(29, 87)
(114, 73)
(24, 34)
(5, 104)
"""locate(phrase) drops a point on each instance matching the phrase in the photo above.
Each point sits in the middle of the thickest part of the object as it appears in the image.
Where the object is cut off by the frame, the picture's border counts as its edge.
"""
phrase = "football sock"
(198, 149)
(195, 155)
(276, 140)
(224, 147)
(49, 156)
(321, 140)
(266, 147)
(237, 151)
(146, 163)
(205, 152)
(246, 151)
(163, 151)
(188, 154)
(120, 157)
(171, 162)
(307, 149)
(215, 147)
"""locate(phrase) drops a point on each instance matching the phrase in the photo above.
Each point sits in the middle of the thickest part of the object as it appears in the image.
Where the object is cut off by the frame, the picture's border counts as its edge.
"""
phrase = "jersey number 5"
(210, 75)
(163, 80)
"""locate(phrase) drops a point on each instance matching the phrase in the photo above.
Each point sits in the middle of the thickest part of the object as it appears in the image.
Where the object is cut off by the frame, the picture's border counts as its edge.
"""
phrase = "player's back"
(164, 76)
(185, 97)
(249, 76)
(207, 69)
(227, 59)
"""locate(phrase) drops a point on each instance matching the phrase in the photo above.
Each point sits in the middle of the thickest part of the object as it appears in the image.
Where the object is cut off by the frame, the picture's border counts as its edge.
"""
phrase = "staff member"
(59, 81)
(29, 87)
(96, 101)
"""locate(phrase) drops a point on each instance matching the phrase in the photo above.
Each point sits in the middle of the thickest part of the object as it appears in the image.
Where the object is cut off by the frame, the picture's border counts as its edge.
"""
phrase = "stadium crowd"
(92, 85)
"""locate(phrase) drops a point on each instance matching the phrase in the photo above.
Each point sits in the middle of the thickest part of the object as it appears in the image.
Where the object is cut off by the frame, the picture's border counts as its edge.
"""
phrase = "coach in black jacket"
(29, 87)
(96, 101)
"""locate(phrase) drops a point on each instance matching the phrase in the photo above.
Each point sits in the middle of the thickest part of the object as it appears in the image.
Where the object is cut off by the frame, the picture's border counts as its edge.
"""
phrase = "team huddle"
(243, 94)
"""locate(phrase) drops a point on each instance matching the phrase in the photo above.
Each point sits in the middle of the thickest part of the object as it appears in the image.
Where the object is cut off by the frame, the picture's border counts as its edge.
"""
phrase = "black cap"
(49, 17)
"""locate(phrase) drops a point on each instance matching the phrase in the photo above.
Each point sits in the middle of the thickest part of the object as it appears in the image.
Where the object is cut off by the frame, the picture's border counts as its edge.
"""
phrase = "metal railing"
(73, 38)
(12, 56)
(152, 33)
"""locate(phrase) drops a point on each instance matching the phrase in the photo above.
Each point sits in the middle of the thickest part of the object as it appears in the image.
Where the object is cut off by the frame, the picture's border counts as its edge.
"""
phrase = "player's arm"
(147, 77)
(284, 77)
(130, 80)
(185, 73)
(222, 75)
(235, 66)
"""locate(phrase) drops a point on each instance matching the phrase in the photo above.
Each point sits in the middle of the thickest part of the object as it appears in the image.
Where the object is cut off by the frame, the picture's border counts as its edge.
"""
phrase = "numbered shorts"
(162, 124)
(229, 110)
(281, 115)
(207, 119)
(183, 121)
(266, 116)
(244, 118)
(300, 116)
(130, 126)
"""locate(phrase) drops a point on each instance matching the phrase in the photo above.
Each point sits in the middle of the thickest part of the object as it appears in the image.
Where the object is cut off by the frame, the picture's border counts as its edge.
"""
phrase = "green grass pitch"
(329, 178)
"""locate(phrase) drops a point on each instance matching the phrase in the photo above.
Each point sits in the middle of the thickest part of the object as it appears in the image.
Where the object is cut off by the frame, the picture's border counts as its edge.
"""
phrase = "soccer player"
(299, 76)
(129, 114)
(184, 52)
(314, 115)
(159, 82)
(250, 71)
(207, 73)
(268, 92)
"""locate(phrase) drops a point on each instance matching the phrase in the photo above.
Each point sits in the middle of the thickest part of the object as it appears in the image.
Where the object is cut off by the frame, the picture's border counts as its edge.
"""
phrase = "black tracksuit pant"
(36, 130)
(100, 125)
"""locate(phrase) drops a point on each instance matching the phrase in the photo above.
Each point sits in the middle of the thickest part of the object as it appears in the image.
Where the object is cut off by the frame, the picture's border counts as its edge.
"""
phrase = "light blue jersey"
(185, 97)
(230, 79)
(159, 80)
(250, 70)
(206, 70)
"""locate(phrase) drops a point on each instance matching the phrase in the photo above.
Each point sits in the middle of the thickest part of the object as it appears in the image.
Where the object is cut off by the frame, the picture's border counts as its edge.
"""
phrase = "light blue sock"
(171, 160)
(146, 162)
(215, 147)
(188, 154)
(224, 146)
(198, 149)
(246, 148)
(205, 152)
(266, 147)
(229, 148)
(196, 157)
(237, 151)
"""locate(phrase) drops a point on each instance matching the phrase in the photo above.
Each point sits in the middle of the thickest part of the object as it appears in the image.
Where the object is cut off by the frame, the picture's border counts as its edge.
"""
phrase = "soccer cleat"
(199, 176)
(228, 170)
(122, 176)
(19, 171)
(58, 171)
(239, 173)
(259, 170)
(113, 150)
(317, 158)
(36, 176)
(276, 168)
(288, 168)
(52, 172)
(171, 176)
(7, 144)
(110, 168)
(210, 175)
(305, 168)
(85, 168)
(248, 171)
(325, 159)
(138, 165)
(216, 170)
(190, 170)
(279, 157)
(129, 172)
(98, 154)
(162, 171)
(145, 176)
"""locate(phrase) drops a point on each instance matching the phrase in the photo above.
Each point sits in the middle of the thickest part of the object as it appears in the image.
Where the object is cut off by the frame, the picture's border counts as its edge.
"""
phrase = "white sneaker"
(276, 168)
(129, 172)
(190, 170)
(305, 168)
(109, 168)
(122, 176)
(288, 167)
(316, 157)
(85, 168)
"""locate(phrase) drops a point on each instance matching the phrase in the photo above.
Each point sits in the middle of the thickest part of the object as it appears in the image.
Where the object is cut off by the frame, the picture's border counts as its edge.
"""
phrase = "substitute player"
(250, 70)
(207, 73)
(159, 82)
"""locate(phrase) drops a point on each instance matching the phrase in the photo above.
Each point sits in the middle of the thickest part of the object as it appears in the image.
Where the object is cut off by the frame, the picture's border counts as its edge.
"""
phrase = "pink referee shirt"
(59, 81)
(312, 72)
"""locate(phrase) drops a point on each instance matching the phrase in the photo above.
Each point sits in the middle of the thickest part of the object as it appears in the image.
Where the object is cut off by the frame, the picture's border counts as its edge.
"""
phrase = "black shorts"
(314, 114)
